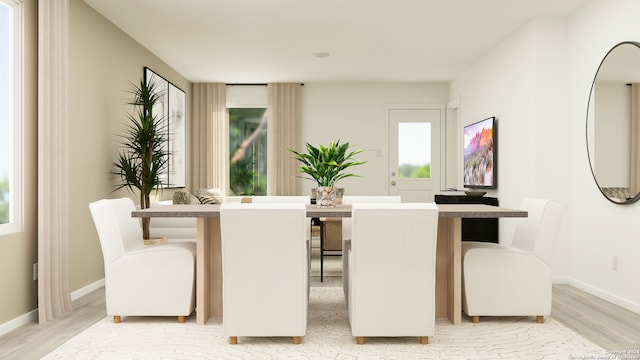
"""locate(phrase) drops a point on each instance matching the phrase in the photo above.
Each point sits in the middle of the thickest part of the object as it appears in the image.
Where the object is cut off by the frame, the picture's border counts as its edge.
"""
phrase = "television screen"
(479, 140)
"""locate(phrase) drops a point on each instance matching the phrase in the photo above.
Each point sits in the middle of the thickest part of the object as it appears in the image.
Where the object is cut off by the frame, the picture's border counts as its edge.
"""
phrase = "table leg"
(454, 263)
(322, 234)
(208, 270)
(216, 269)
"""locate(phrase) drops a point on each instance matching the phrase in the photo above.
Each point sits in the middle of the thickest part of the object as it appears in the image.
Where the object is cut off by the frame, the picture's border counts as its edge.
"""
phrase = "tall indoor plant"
(326, 166)
(142, 157)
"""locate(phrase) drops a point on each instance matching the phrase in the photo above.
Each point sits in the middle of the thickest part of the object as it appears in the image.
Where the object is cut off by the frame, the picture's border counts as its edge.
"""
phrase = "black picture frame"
(171, 108)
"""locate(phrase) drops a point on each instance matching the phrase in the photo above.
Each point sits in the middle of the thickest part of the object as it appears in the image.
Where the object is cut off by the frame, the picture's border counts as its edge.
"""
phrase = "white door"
(414, 151)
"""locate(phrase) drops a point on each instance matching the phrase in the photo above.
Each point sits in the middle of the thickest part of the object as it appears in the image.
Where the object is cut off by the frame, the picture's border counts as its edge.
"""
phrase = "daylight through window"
(248, 151)
(10, 116)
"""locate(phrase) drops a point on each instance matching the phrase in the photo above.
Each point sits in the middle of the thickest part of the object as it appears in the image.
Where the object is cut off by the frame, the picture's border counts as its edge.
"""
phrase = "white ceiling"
(258, 41)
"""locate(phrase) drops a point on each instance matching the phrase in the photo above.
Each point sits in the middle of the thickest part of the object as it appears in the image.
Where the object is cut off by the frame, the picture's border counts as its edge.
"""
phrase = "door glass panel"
(414, 150)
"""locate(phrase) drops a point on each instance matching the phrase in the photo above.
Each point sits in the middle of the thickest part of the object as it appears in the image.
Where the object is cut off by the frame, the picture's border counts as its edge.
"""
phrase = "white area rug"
(328, 337)
(332, 264)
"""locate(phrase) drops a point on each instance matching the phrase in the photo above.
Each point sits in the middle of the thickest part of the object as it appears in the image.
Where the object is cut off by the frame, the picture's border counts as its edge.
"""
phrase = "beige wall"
(18, 252)
(103, 62)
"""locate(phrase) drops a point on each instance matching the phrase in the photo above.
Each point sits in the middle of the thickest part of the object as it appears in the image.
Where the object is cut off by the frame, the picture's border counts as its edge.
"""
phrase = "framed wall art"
(171, 108)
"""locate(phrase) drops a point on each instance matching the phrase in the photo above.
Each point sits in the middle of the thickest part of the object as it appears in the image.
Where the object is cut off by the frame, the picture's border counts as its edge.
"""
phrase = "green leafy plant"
(142, 157)
(326, 165)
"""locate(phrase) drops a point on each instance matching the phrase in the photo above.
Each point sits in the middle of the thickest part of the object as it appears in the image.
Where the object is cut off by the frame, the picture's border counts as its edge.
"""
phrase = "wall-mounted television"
(479, 152)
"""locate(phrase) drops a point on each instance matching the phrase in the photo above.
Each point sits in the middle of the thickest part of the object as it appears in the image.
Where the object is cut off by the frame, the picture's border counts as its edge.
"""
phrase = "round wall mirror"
(613, 124)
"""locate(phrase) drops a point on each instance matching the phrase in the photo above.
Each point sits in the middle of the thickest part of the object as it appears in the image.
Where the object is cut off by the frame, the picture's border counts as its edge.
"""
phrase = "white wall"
(521, 82)
(600, 229)
(537, 83)
(355, 113)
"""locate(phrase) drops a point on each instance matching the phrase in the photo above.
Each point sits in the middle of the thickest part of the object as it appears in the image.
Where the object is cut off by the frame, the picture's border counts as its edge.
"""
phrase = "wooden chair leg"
(296, 340)
(360, 340)
(475, 319)
(540, 319)
(233, 340)
(181, 319)
(116, 319)
(424, 340)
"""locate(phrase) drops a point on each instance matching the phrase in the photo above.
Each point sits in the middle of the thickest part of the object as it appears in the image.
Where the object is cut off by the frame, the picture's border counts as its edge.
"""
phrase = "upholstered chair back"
(291, 199)
(537, 232)
(363, 199)
(392, 269)
(265, 269)
(281, 199)
(118, 231)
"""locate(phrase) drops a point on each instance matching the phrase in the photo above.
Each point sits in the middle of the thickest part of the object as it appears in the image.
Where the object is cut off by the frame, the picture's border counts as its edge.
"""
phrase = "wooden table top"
(444, 211)
(477, 211)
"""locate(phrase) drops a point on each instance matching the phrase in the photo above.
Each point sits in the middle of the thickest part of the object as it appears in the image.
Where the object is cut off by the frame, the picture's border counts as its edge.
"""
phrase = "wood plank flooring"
(605, 324)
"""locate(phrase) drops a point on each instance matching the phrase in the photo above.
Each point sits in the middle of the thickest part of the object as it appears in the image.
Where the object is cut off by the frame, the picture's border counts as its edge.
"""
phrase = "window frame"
(15, 119)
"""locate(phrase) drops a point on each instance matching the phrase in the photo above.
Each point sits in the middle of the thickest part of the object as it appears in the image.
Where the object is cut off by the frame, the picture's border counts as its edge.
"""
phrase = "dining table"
(209, 279)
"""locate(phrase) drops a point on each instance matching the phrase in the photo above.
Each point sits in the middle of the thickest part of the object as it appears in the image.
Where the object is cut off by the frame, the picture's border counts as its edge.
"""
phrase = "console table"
(474, 229)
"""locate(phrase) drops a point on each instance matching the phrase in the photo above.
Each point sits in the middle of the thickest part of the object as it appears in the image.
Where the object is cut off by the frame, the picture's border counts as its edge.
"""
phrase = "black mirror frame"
(636, 197)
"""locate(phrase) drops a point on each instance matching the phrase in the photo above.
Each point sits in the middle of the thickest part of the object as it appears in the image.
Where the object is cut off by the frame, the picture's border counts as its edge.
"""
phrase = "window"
(248, 151)
(10, 116)
(414, 150)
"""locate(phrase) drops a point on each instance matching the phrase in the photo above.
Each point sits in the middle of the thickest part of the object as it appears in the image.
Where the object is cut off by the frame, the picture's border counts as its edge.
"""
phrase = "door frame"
(425, 106)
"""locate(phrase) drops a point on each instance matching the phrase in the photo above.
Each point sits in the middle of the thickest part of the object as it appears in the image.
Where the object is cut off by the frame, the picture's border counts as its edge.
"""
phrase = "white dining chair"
(142, 280)
(392, 270)
(265, 270)
(515, 279)
(347, 228)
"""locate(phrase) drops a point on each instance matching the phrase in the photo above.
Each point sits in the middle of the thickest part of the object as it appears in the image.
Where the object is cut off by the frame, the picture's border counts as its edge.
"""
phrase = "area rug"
(332, 264)
(328, 337)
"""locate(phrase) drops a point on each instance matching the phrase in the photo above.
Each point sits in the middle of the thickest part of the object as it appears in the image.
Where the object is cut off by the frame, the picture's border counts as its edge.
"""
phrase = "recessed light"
(321, 54)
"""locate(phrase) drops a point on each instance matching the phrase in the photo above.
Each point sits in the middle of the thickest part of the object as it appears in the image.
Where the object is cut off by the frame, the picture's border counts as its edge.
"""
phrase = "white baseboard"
(32, 316)
(605, 295)
(11, 325)
(87, 289)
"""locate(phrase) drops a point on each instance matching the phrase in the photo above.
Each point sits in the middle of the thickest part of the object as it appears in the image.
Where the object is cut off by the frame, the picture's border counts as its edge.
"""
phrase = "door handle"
(393, 183)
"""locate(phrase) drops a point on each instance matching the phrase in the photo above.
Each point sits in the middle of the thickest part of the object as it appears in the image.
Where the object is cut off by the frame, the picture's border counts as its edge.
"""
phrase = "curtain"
(210, 137)
(634, 169)
(53, 177)
(283, 132)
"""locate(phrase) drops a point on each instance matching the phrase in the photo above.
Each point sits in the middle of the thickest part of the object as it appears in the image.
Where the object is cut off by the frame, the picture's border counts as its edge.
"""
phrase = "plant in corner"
(143, 157)
(326, 166)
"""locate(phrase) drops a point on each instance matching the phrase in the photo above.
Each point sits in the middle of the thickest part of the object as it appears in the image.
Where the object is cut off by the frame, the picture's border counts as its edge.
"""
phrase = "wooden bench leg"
(116, 319)
(475, 319)
(360, 340)
(424, 340)
(296, 340)
(181, 319)
(540, 319)
(233, 340)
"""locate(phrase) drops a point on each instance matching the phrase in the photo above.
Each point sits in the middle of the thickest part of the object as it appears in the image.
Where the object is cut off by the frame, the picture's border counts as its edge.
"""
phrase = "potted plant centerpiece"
(143, 157)
(325, 166)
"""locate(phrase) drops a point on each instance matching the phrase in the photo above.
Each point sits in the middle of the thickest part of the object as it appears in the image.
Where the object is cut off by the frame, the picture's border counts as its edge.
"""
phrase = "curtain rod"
(256, 84)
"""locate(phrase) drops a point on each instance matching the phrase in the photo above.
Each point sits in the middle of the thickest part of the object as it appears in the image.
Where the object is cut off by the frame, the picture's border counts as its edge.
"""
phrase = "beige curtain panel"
(53, 177)
(210, 137)
(283, 132)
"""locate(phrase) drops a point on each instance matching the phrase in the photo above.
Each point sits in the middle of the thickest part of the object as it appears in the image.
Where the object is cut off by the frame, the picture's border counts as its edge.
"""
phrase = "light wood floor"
(605, 324)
